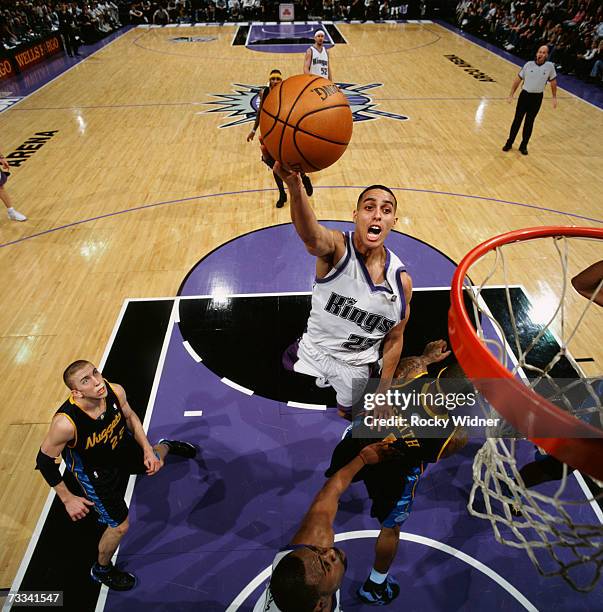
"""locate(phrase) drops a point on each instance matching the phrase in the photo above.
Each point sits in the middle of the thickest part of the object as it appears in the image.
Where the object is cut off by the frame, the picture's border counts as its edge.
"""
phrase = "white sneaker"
(15, 215)
(322, 383)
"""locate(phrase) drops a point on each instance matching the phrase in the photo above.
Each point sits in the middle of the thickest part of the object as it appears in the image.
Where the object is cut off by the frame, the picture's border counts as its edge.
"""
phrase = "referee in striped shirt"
(535, 76)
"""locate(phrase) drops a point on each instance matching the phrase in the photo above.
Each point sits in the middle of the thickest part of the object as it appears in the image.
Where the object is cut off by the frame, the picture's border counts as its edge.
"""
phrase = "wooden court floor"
(132, 132)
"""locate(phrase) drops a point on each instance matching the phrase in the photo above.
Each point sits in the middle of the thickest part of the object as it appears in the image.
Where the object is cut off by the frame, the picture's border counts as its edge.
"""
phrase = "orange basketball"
(306, 123)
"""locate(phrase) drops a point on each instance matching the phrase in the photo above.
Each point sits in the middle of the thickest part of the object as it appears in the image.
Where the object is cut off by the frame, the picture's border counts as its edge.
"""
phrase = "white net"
(533, 501)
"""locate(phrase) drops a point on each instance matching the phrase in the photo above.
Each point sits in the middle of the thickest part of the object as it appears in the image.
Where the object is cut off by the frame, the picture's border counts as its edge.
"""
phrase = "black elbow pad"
(48, 468)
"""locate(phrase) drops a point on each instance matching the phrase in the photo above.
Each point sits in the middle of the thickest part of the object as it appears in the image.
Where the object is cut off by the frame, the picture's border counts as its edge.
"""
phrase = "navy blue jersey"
(97, 443)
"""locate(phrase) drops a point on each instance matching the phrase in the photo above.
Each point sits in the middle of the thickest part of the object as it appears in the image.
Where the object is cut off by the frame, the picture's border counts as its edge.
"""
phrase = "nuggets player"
(361, 297)
(275, 78)
(101, 439)
(317, 58)
(392, 486)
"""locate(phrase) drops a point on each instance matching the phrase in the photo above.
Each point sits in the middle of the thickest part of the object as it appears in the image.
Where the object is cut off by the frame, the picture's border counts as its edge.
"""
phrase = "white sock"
(11, 209)
(377, 577)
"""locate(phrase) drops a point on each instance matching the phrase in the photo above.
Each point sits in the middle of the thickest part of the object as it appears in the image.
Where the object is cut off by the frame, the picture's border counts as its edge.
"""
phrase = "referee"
(535, 76)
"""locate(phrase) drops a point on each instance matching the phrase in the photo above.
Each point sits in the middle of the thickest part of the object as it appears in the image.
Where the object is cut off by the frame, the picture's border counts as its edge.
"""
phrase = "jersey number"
(359, 343)
(117, 438)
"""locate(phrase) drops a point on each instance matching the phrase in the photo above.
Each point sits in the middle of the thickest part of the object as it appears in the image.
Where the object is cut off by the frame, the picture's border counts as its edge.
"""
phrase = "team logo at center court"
(242, 105)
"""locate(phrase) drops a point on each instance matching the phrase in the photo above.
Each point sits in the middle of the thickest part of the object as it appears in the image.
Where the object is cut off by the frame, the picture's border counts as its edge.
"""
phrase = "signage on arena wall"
(6, 69)
(23, 58)
(286, 12)
(37, 52)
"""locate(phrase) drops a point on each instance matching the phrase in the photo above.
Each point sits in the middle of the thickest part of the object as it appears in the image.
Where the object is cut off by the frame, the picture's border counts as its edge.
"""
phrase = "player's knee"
(391, 531)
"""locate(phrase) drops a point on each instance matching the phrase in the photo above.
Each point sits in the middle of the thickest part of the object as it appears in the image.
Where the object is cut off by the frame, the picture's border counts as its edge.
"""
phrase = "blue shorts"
(401, 510)
(391, 485)
(105, 486)
(3, 177)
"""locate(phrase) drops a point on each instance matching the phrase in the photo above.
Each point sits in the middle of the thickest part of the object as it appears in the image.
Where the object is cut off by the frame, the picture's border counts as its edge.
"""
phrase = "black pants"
(71, 45)
(528, 106)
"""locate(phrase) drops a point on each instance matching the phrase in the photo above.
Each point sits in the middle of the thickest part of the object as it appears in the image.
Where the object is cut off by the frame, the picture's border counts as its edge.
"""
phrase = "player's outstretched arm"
(60, 433)
(317, 526)
(319, 240)
(411, 367)
(588, 281)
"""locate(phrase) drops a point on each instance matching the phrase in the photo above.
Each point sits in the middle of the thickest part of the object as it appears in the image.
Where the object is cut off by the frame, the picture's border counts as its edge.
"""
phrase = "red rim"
(522, 407)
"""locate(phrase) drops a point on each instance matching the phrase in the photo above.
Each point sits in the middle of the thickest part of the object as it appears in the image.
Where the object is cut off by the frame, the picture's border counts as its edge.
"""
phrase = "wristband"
(48, 468)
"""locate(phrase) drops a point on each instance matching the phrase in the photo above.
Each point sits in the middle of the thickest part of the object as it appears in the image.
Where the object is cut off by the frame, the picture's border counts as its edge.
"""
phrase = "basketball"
(306, 123)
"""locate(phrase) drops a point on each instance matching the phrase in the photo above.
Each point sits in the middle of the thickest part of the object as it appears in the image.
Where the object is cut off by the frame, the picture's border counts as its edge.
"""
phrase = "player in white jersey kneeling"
(360, 300)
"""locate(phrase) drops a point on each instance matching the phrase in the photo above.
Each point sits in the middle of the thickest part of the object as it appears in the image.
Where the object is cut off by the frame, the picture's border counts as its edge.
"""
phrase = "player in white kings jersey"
(360, 300)
(317, 58)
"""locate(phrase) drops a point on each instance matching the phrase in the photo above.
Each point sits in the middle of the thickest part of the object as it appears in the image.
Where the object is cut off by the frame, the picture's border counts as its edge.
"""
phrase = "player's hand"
(436, 351)
(554, 102)
(509, 99)
(383, 412)
(289, 176)
(4, 164)
(377, 452)
(152, 462)
(77, 507)
(250, 136)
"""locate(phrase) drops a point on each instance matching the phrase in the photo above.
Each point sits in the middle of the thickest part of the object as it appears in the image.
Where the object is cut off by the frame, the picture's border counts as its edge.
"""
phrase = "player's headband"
(276, 74)
(319, 32)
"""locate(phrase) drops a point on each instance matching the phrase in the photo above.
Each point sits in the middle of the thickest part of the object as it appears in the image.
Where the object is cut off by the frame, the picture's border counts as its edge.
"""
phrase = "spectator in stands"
(586, 60)
(161, 16)
(136, 15)
(596, 74)
(221, 10)
(68, 28)
(578, 18)
(568, 29)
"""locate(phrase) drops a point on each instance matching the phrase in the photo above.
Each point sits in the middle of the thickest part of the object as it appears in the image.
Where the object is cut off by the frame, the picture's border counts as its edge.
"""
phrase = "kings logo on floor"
(242, 104)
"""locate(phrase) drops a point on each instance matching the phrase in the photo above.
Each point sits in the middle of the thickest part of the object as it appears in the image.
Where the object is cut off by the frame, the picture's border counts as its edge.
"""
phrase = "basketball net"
(558, 524)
